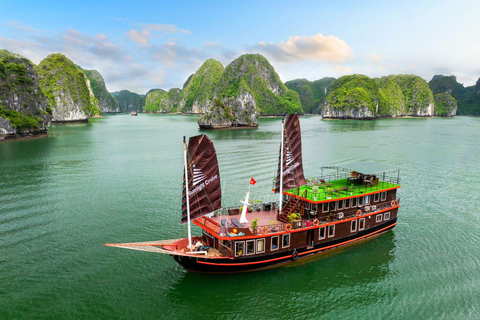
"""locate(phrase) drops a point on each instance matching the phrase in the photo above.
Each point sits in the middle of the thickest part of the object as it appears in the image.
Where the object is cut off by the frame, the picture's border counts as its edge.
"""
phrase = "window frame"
(376, 197)
(383, 195)
(323, 207)
(256, 247)
(243, 250)
(246, 247)
(340, 205)
(361, 224)
(283, 240)
(386, 216)
(331, 227)
(324, 233)
(378, 218)
(353, 226)
(271, 243)
(354, 205)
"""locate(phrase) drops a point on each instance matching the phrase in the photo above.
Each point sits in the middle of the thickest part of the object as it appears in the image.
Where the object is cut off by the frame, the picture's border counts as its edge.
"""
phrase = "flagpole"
(186, 194)
(280, 204)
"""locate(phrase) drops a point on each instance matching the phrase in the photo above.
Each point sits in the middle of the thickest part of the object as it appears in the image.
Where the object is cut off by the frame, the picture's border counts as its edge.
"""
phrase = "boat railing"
(326, 190)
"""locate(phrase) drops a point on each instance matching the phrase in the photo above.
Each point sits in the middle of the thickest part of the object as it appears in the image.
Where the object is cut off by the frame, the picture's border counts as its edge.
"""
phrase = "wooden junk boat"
(345, 204)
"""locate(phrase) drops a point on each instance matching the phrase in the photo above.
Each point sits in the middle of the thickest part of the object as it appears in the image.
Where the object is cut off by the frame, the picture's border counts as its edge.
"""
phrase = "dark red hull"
(246, 264)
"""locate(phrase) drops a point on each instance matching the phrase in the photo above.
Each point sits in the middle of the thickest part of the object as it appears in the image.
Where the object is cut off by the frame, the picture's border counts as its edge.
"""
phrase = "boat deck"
(331, 190)
(264, 218)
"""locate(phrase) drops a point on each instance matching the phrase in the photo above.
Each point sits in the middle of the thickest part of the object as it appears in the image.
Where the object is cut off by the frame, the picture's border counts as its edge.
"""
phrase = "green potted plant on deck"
(254, 225)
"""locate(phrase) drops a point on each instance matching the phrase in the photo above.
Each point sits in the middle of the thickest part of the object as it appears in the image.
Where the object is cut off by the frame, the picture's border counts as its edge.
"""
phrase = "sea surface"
(118, 179)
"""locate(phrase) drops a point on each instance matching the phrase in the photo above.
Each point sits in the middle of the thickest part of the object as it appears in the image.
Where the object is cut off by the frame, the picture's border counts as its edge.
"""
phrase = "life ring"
(295, 255)
(396, 202)
(392, 203)
(288, 227)
(264, 230)
(359, 213)
(316, 222)
(353, 174)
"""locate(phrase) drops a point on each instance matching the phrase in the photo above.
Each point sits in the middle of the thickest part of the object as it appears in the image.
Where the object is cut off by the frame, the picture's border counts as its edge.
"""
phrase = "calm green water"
(117, 179)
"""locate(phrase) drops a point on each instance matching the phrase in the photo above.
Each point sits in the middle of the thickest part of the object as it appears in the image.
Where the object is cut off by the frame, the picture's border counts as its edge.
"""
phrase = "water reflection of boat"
(344, 205)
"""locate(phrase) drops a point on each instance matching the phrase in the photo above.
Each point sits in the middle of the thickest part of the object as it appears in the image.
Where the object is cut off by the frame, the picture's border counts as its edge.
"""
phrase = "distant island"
(57, 90)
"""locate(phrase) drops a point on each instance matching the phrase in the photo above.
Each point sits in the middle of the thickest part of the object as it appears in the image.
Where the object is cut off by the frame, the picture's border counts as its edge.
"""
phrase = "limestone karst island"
(59, 91)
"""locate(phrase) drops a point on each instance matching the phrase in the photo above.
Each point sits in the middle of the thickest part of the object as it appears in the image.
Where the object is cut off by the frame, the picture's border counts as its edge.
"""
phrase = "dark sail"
(203, 178)
(292, 155)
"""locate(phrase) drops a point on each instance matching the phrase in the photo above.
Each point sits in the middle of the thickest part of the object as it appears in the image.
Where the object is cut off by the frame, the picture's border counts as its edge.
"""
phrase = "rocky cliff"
(23, 106)
(249, 86)
(199, 90)
(468, 98)
(253, 73)
(108, 104)
(129, 101)
(445, 105)
(161, 101)
(67, 89)
(311, 93)
(360, 97)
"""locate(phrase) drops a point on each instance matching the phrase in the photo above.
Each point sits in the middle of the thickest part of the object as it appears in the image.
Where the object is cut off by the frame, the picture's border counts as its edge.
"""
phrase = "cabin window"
(360, 201)
(331, 230)
(354, 202)
(250, 247)
(386, 216)
(239, 248)
(274, 243)
(340, 205)
(378, 218)
(325, 207)
(321, 233)
(286, 241)
(376, 197)
(260, 245)
(384, 196)
(367, 200)
(332, 206)
(347, 203)
(361, 224)
(353, 227)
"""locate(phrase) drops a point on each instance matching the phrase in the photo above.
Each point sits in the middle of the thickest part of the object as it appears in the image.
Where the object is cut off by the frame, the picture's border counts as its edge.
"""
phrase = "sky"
(141, 45)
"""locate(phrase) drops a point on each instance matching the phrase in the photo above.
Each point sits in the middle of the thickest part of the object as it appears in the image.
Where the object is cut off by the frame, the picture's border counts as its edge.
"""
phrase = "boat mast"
(186, 193)
(280, 204)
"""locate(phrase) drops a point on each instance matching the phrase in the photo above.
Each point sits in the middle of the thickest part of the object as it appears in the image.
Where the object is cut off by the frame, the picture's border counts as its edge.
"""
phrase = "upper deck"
(344, 182)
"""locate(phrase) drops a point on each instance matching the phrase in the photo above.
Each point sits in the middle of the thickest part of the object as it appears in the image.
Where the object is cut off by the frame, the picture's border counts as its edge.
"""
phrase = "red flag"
(252, 181)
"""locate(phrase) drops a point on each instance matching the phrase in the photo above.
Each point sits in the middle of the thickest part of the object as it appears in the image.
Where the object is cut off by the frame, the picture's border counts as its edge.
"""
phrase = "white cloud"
(151, 31)
(314, 48)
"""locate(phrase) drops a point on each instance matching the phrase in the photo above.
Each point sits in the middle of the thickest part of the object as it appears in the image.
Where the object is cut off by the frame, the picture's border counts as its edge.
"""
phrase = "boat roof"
(366, 167)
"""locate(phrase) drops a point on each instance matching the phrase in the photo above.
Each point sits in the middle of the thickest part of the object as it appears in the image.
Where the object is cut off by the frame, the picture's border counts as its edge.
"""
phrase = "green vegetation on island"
(468, 98)
(199, 90)
(311, 93)
(159, 100)
(23, 107)
(106, 101)
(358, 96)
(445, 105)
(129, 101)
(254, 74)
(66, 89)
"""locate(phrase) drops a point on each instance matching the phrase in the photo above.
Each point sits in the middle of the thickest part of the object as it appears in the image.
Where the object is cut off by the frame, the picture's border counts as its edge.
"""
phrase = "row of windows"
(353, 226)
(258, 246)
(353, 202)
